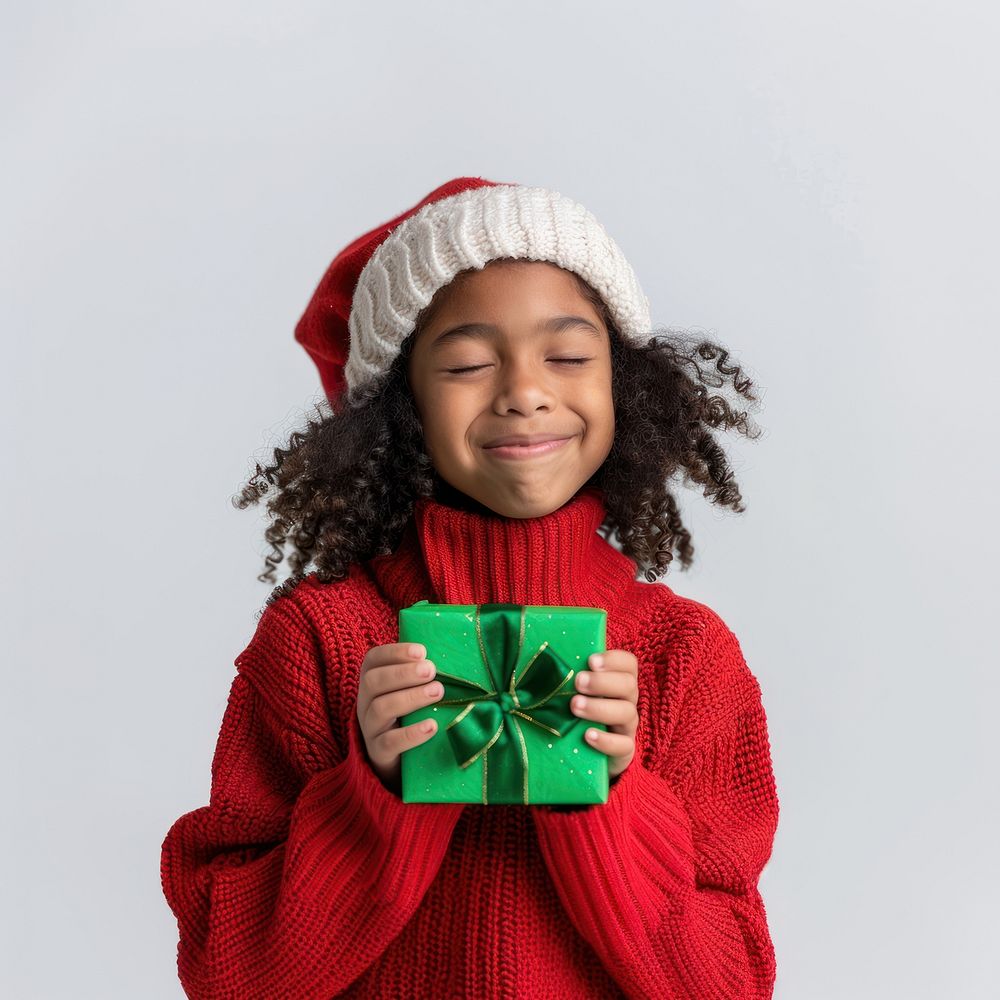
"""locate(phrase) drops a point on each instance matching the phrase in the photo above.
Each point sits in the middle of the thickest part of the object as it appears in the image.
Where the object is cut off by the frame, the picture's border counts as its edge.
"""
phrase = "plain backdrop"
(812, 185)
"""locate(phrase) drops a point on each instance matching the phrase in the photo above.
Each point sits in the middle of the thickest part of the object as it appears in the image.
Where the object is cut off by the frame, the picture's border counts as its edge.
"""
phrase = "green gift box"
(505, 731)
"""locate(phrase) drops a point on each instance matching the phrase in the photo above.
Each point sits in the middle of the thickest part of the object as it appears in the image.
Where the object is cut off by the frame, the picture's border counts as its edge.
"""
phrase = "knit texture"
(468, 230)
(306, 877)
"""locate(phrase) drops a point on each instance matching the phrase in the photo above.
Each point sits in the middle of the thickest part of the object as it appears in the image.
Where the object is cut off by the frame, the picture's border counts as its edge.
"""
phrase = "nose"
(523, 387)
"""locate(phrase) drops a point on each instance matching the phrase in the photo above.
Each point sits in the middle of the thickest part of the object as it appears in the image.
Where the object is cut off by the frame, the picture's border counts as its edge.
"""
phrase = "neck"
(468, 554)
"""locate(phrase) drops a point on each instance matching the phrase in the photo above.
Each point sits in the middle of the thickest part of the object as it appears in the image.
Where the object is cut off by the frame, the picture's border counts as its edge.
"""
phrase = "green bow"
(490, 717)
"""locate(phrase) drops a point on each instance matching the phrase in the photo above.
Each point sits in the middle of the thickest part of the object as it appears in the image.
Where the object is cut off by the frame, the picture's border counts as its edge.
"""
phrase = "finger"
(610, 711)
(384, 748)
(393, 652)
(608, 684)
(384, 711)
(613, 744)
(614, 659)
(393, 676)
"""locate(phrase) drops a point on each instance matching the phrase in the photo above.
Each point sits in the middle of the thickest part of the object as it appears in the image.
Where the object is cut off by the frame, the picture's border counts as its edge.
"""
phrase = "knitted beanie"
(369, 298)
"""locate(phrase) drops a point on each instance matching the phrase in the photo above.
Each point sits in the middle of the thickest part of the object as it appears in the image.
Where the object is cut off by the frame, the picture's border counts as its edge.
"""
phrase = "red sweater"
(306, 877)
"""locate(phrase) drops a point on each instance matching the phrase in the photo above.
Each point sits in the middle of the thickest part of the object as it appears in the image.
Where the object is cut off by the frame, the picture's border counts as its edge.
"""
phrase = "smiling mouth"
(526, 450)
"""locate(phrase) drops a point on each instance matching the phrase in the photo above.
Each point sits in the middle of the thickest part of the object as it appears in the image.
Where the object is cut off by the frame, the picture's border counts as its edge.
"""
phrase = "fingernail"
(597, 661)
(417, 652)
(583, 680)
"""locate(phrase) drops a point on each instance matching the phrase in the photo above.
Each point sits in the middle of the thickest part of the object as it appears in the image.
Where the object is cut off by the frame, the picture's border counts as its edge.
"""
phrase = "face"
(519, 366)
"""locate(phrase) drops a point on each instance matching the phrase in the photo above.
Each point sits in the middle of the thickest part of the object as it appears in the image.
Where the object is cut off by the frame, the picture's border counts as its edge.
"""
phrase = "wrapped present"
(505, 731)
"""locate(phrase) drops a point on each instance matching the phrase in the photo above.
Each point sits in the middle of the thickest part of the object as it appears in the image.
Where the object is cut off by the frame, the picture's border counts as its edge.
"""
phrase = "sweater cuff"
(382, 801)
(639, 840)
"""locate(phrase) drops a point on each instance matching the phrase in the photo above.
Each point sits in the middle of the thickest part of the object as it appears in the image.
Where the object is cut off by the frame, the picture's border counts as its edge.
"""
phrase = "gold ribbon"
(490, 719)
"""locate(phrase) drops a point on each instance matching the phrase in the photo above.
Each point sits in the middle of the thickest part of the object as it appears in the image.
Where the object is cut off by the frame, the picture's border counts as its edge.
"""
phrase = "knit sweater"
(306, 877)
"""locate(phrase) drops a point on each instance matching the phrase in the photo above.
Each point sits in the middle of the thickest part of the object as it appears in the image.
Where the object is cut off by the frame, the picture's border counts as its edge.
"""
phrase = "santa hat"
(371, 294)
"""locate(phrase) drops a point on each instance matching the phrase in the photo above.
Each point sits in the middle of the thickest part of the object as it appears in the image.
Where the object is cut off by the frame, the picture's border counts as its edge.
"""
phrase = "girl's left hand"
(610, 694)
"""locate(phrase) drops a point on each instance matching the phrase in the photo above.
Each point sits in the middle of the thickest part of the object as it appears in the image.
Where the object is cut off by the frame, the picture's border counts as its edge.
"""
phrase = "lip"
(517, 451)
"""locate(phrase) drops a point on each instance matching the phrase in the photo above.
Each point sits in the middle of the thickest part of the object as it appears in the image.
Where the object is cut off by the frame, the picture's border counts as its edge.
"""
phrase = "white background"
(814, 185)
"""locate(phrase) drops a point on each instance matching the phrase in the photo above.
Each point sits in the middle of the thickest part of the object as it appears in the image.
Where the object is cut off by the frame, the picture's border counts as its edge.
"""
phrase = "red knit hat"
(367, 301)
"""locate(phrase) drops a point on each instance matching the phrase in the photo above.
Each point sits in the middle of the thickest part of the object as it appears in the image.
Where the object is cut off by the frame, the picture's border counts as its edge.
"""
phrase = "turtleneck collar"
(471, 555)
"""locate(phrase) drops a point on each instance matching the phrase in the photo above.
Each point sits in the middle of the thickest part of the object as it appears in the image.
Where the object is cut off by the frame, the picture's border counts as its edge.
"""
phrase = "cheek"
(607, 431)
(446, 419)
(599, 409)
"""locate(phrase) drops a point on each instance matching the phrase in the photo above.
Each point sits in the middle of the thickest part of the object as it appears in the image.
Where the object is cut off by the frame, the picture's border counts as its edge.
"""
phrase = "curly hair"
(345, 487)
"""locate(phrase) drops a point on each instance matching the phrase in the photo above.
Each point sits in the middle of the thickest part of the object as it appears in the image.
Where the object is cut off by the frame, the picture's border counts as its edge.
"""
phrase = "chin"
(532, 503)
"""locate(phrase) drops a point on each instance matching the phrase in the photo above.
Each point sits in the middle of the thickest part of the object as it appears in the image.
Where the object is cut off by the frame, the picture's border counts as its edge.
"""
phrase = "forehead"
(504, 286)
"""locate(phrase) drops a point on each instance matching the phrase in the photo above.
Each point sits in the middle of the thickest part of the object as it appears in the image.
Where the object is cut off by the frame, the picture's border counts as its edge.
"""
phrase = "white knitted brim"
(468, 230)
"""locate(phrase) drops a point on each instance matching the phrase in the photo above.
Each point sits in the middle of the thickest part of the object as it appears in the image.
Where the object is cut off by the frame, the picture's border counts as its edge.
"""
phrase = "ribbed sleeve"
(662, 879)
(303, 867)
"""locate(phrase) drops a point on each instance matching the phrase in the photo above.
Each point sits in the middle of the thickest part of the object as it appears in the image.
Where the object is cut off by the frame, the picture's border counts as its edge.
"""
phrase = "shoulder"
(682, 627)
(336, 620)
(306, 591)
(328, 612)
(281, 663)
(698, 671)
(307, 638)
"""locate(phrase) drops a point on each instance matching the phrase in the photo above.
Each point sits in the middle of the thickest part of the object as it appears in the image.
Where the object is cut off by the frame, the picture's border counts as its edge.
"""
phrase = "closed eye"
(564, 361)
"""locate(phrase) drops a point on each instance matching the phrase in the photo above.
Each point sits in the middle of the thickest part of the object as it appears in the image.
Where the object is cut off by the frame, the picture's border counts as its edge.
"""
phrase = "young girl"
(499, 407)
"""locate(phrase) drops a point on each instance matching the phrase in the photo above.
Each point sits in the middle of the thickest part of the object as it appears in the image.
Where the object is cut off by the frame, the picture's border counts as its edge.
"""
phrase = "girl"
(498, 409)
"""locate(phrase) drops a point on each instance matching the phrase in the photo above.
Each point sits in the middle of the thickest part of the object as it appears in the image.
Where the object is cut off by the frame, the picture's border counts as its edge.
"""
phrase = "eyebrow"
(556, 324)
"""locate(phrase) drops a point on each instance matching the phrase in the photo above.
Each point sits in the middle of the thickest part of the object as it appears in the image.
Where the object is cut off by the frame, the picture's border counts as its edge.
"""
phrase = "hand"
(610, 694)
(395, 680)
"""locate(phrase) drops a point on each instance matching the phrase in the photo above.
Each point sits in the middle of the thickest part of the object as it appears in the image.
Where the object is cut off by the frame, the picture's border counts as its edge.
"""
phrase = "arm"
(303, 867)
(662, 878)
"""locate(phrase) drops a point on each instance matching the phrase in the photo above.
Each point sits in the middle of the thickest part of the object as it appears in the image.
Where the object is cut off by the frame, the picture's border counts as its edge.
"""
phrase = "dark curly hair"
(346, 485)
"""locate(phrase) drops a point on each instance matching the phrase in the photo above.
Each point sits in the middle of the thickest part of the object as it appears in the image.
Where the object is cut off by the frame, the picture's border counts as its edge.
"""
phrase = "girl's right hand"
(395, 680)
